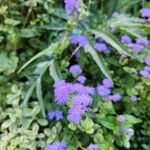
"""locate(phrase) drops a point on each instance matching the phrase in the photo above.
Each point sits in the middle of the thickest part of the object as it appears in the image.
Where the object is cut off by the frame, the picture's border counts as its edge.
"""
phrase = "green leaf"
(7, 124)
(106, 107)
(90, 131)
(47, 131)
(28, 94)
(48, 51)
(54, 71)
(55, 27)
(109, 38)
(87, 125)
(42, 122)
(108, 122)
(72, 126)
(39, 95)
(58, 12)
(98, 61)
(12, 22)
(8, 62)
(28, 33)
(130, 120)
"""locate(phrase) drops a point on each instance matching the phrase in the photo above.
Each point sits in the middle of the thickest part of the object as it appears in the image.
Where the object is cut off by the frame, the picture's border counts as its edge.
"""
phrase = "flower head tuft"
(134, 98)
(108, 83)
(101, 47)
(82, 101)
(147, 60)
(79, 39)
(145, 12)
(142, 41)
(136, 47)
(74, 115)
(75, 69)
(121, 118)
(57, 115)
(115, 97)
(62, 92)
(126, 39)
(81, 79)
(70, 6)
(103, 91)
(93, 147)
(56, 146)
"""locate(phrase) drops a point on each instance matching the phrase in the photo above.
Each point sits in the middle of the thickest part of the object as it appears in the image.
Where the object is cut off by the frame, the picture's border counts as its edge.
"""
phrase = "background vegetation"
(36, 51)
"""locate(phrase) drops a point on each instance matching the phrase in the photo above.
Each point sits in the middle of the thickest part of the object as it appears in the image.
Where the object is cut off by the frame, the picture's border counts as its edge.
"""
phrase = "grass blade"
(111, 40)
(39, 95)
(54, 71)
(28, 95)
(98, 61)
(48, 51)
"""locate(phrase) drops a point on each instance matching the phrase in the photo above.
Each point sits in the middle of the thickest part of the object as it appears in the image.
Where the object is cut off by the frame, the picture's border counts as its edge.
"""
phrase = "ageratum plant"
(74, 75)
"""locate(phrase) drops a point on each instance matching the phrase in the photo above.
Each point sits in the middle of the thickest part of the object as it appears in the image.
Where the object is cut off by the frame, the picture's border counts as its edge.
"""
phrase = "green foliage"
(36, 51)
(8, 62)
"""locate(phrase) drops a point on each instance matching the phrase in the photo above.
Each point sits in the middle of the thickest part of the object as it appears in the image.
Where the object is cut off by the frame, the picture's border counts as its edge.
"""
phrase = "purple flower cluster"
(62, 91)
(56, 146)
(70, 6)
(100, 45)
(57, 115)
(75, 69)
(138, 45)
(128, 131)
(105, 90)
(147, 60)
(81, 40)
(134, 98)
(145, 12)
(79, 88)
(145, 72)
(81, 79)
(79, 94)
(126, 39)
(80, 105)
(121, 118)
(142, 41)
(115, 14)
(93, 147)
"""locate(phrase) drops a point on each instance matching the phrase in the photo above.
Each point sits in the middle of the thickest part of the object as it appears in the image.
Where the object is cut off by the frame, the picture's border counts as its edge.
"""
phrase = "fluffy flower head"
(145, 12)
(70, 6)
(101, 47)
(108, 83)
(79, 39)
(82, 101)
(81, 79)
(75, 69)
(57, 115)
(93, 147)
(147, 60)
(103, 91)
(142, 41)
(134, 98)
(126, 39)
(56, 146)
(121, 118)
(74, 115)
(145, 73)
(136, 47)
(116, 97)
(62, 92)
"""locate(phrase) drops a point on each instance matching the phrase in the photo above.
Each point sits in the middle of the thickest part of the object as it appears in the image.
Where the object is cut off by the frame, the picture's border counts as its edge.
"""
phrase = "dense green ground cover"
(40, 40)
